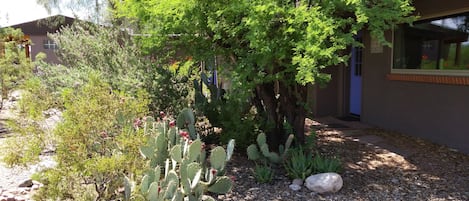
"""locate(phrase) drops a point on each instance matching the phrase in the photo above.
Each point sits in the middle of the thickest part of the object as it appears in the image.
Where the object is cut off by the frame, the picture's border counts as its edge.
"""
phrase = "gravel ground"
(378, 165)
(395, 167)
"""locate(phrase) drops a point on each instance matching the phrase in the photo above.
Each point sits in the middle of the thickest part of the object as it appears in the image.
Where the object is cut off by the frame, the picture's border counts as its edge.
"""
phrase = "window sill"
(435, 79)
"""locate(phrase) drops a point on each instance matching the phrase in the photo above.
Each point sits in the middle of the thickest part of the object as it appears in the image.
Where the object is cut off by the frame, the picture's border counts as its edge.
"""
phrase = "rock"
(324, 182)
(20, 198)
(298, 182)
(35, 187)
(295, 187)
(8, 197)
(27, 183)
(15, 95)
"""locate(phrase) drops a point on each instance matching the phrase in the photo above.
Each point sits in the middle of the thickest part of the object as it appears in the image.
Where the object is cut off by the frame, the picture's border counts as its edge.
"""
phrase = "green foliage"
(263, 173)
(298, 163)
(15, 66)
(26, 144)
(216, 107)
(323, 164)
(311, 140)
(36, 98)
(96, 143)
(105, 49)
(260, 152)
(272, 48)
(178, 168)
(170, 86)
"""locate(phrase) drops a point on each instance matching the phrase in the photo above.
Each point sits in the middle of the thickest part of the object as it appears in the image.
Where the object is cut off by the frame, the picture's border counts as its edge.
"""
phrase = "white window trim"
(427, 71)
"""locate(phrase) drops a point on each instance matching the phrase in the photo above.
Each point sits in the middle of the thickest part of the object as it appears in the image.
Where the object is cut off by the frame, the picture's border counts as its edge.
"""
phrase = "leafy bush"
(298, 163)
(97, 144)
(263, 173)
(232, 113)
(15, 67)
(108, 50)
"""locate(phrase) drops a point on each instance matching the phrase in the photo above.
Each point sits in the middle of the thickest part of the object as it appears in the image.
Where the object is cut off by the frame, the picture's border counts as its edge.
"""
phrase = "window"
(436, 45)
(50, 44)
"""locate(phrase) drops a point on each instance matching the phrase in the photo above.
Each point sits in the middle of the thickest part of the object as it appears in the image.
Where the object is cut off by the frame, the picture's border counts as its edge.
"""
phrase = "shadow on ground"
(383, 165)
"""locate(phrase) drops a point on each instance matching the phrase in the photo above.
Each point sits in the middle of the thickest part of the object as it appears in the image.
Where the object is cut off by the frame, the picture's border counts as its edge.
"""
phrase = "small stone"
(19, 198)
(295, 187)
(27, 183)
(298, 182)
(37, 183)
(324, 182)
(35, 187)
(394, 180)
(9, 197)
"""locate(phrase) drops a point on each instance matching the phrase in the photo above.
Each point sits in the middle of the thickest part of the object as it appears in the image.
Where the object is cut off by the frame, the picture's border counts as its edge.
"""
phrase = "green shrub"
(15, 67)
(323, 164)
(97, 144)
(232, 113)
(298, 163)
(263, 173)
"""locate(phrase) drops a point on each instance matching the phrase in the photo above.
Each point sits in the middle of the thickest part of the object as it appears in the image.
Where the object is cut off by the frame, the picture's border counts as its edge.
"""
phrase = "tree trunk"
(293, 100)
(274, 121)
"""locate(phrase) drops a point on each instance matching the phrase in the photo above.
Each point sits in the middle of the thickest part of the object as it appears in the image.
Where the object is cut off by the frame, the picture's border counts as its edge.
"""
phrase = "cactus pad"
(221, 185)
(218, 158)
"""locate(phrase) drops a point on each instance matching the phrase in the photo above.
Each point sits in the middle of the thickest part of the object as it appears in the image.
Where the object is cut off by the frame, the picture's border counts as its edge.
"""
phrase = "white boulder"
(324, 182)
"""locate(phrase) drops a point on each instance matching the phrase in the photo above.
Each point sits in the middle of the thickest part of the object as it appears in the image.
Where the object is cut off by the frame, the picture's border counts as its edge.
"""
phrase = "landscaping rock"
(295, 187)
(324, 182)
(26, 183)
(298, 182)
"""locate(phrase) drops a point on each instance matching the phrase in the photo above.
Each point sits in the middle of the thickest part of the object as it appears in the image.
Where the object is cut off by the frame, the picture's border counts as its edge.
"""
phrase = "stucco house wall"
(435, 111)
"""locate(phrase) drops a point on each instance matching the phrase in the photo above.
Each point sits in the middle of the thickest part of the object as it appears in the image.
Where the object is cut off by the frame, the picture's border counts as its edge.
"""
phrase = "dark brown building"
(37, 31)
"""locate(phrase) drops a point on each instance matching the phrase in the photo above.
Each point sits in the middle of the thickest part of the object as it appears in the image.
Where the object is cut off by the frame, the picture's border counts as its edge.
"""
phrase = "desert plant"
(214, 104)
(323, 164)
(15, 66)
(263, 173)
(260, 152)
(177, 163)
(311, 140)
(97, 145)
(298, 163)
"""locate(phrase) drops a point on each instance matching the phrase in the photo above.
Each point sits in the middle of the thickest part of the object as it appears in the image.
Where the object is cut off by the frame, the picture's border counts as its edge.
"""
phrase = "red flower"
(137, 123)
(184, 134)
(172, 123)
(214, 171)
(162, 114)
(203, 146)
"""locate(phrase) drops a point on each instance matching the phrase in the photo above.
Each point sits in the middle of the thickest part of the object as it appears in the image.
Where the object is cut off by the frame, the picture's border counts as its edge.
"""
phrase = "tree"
(271, 48)
(15, 64)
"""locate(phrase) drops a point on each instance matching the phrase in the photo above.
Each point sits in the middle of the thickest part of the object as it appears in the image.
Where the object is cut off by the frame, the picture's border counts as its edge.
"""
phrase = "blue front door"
(356, 79)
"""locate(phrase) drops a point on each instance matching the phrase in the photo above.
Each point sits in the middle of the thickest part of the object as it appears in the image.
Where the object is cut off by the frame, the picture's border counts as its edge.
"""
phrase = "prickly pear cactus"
(178, 166)
(261, 152)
